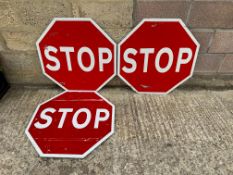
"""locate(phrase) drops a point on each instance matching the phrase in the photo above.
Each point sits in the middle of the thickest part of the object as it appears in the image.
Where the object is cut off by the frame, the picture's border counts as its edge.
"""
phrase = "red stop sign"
(71, 124)
(157, 56)
(77, 54)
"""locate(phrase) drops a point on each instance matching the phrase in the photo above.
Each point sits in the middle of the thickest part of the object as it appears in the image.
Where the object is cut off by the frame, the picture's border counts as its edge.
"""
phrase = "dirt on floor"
(185, 132)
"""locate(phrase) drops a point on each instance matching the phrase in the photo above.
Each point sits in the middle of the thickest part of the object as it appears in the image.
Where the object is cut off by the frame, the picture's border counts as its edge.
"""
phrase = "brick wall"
(22, 22)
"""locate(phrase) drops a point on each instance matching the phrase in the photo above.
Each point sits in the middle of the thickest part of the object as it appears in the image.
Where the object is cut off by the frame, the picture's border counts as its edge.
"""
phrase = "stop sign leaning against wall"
(77, 54)
(157, 55)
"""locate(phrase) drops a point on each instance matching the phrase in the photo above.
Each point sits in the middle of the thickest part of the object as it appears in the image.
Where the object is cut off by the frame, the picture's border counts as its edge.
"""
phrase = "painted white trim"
(39, 151)
(159, 20)
(75, 19)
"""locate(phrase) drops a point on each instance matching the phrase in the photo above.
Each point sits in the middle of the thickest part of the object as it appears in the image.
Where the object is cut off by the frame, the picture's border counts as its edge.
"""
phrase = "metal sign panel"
(157, 56)
(77, 54)
(71, 124)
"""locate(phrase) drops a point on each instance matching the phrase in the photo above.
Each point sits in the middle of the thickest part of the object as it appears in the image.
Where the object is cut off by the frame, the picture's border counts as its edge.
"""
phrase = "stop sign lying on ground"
(71, 124)
(157, 56)
(77, 54)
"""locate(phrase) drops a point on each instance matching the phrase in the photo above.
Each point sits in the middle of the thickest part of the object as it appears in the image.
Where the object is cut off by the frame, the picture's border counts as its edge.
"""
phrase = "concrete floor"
(185, 132)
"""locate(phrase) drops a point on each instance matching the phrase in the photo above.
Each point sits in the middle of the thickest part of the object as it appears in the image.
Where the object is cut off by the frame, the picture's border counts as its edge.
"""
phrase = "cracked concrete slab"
(185, 132)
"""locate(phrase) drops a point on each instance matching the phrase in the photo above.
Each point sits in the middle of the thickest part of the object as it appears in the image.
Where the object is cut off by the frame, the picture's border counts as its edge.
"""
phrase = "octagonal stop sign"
(71, 124)
(157, 56)
(77, 54)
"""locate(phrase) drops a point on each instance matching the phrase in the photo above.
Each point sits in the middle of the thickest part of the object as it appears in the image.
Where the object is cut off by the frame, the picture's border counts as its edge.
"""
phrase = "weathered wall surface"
(22, 22)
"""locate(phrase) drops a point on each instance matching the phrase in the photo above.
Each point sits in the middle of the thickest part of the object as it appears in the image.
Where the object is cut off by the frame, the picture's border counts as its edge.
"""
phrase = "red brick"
(227, 65)
(222, 42)
(208, 63)
(161, 9)
(211, 14)
(203, 36)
